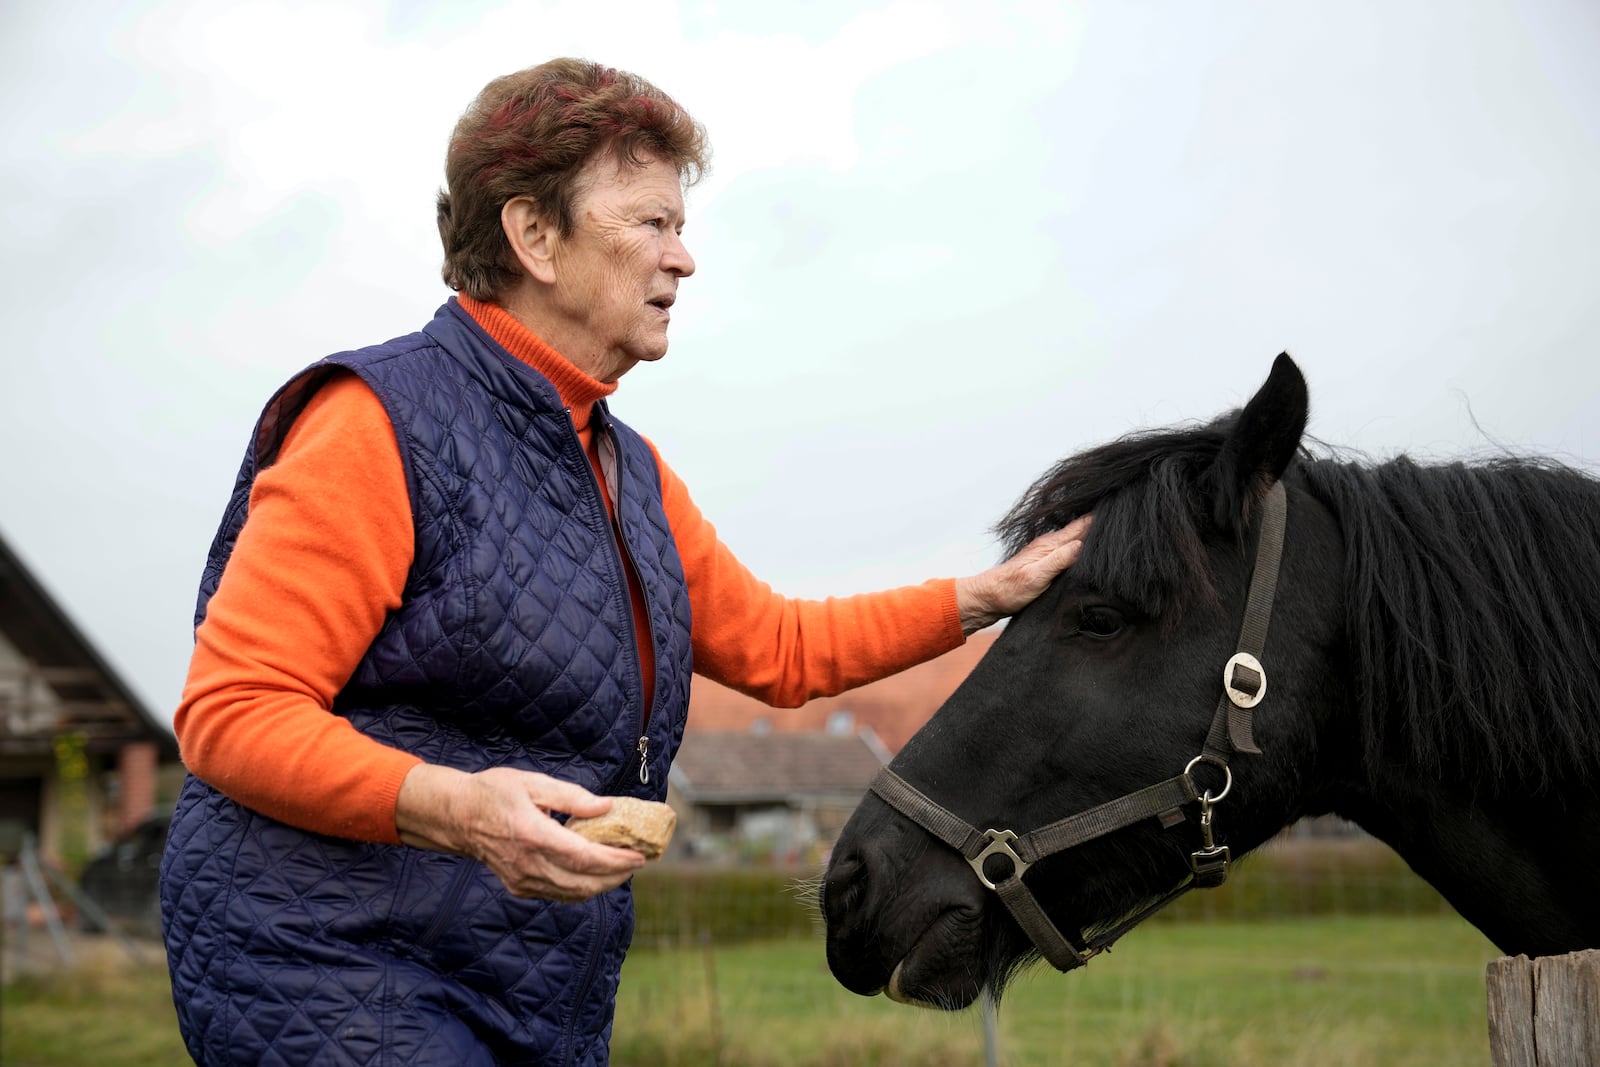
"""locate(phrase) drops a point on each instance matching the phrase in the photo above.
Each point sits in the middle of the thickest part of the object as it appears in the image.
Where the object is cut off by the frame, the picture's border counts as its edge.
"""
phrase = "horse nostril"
(840, 888)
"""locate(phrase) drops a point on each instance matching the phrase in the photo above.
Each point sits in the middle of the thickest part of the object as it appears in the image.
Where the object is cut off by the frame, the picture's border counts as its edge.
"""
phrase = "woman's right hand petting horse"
(1424, 661)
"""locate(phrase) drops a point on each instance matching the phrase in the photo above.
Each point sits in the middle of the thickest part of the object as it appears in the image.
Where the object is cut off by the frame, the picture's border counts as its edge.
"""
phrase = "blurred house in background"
(767, 797)
(80, 755)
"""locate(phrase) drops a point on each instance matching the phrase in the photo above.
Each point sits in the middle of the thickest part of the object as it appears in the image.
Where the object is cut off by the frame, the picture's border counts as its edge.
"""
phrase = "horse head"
(1105, 686)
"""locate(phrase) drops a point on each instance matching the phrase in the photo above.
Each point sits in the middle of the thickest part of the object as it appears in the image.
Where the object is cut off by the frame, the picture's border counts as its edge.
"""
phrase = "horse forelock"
(1151, 511)
(1473, 614)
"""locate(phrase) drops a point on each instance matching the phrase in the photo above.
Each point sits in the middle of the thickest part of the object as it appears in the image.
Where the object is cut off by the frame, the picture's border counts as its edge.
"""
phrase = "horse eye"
(1101, 622)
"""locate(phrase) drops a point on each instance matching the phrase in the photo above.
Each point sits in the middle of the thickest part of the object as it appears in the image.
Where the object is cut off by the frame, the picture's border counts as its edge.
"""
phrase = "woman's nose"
(675, 258)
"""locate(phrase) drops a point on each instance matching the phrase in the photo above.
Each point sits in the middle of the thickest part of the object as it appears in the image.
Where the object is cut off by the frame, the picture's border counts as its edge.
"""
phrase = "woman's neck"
(578, 390)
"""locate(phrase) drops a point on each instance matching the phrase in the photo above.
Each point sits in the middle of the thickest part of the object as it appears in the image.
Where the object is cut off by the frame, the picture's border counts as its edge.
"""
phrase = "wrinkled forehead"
(606, 176)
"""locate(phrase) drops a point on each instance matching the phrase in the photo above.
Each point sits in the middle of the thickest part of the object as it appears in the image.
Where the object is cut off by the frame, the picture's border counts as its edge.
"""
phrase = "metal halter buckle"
(999, 844)
(1242, 697)
(1210, 866)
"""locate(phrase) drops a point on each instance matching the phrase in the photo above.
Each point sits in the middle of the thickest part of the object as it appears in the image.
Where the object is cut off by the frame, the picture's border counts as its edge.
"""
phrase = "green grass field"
(1298, 993)
(1311, 992)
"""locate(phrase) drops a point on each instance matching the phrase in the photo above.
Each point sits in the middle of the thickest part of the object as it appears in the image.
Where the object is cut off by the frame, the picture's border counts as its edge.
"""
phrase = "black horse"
(1431, 672)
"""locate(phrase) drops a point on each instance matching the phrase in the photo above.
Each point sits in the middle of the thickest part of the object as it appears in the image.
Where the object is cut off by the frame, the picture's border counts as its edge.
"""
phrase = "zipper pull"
(644, 761)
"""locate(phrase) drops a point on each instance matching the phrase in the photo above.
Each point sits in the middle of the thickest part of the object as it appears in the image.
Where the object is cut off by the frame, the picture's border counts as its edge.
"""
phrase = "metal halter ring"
(999, 844)
(1227, 783)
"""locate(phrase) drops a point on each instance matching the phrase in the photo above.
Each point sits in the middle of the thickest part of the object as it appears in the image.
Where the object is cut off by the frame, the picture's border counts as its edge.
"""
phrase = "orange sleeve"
(785, 651)
(321, 560)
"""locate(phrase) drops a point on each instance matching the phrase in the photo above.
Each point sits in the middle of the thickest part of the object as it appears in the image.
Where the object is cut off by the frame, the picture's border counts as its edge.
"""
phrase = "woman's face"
(617, 273)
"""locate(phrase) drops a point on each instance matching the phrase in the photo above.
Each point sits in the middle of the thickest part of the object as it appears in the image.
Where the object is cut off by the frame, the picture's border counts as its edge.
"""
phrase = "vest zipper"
(611, 464)
(614, 471)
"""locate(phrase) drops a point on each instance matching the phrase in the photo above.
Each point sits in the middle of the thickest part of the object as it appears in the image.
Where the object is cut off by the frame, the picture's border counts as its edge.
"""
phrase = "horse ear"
(1262, 443)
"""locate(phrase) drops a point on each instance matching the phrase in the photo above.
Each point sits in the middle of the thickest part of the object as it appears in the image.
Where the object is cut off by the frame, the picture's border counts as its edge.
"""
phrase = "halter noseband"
(1244, 683)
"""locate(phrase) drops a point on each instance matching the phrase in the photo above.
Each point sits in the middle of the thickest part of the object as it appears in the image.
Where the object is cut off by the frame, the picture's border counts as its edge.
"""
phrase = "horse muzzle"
(914, 934)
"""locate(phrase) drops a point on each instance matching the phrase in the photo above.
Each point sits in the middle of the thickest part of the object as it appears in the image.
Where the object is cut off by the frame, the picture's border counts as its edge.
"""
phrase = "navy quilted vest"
(514, 647)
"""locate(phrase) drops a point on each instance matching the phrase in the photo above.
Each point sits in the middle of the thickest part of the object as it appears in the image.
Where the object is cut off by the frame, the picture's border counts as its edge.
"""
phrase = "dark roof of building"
(727, 766)
(92, 699)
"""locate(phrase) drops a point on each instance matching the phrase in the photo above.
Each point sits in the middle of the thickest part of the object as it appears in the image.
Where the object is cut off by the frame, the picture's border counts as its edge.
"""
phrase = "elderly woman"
(453, 597)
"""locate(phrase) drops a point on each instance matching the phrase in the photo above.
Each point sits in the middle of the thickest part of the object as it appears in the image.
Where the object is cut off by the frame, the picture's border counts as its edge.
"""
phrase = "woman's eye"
(1100, 622)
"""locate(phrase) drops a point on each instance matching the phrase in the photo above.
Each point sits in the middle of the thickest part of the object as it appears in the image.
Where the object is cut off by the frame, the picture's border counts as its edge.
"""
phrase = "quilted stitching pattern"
(514, 647)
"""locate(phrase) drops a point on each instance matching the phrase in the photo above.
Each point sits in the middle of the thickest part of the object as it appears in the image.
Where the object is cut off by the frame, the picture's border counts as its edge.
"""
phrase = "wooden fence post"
(1544, 1012)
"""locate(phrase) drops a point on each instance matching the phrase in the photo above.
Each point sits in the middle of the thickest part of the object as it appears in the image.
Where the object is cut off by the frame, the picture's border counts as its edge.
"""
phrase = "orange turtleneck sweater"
(323, 558)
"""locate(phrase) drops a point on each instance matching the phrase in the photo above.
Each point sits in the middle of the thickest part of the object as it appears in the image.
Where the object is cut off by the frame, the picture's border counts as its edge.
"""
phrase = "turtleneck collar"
(578, 391)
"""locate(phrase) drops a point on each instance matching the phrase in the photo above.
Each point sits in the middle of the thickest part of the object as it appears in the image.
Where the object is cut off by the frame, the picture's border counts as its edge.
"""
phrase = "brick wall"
(136, 768)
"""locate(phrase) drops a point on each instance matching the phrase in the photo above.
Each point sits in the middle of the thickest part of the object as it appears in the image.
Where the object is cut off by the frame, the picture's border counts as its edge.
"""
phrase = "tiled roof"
(895, 708)
(716, 764)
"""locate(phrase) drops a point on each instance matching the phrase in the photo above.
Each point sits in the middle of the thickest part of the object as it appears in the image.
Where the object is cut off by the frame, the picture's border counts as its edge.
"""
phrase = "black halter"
(1244, 683)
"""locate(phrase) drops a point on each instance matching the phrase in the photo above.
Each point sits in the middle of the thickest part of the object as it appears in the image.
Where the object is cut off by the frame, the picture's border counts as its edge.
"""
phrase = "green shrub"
(693, 905)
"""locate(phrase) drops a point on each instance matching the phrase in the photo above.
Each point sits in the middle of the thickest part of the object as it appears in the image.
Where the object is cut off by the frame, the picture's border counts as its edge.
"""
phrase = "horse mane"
(1473, 589)
(1473, 613)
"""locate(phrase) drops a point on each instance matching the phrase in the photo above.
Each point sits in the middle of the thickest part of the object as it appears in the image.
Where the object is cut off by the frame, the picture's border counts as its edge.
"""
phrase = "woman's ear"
(531, 237)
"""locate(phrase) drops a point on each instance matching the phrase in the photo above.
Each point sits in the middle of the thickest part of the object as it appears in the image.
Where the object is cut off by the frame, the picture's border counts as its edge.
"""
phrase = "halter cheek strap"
(1244, 684)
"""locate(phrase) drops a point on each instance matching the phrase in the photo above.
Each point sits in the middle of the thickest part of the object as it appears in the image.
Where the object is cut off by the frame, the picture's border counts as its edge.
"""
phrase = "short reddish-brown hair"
(529, 134)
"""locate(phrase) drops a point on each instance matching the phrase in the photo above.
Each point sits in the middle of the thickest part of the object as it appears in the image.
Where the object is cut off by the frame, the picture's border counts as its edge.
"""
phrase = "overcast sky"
(942, 245)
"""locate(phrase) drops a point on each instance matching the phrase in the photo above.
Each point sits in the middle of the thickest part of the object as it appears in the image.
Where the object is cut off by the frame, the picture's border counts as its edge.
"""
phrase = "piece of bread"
(643, 825)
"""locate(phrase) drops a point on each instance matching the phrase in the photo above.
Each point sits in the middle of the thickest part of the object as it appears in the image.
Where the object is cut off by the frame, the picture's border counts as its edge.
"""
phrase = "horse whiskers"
(807, 892)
